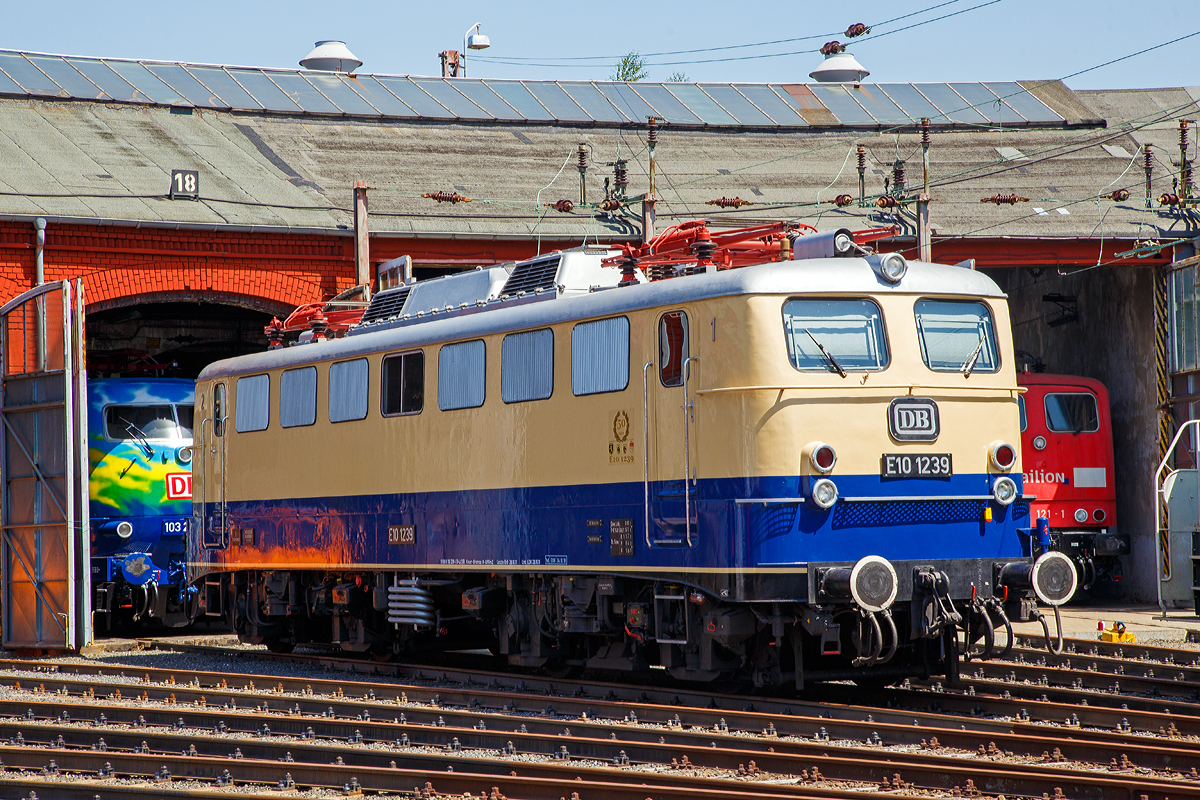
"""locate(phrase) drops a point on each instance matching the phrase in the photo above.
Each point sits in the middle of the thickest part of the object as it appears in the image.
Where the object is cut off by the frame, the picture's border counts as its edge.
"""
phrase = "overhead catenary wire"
(814, 37)
(501, 60)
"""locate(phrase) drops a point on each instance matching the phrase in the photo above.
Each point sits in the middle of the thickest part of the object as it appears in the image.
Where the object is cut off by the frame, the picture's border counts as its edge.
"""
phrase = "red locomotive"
(1068, 464)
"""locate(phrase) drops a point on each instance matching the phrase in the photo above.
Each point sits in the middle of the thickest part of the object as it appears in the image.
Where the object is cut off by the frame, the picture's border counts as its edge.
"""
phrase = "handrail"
(688, 412)
(908, 387)
(646, 446)
(202, 521)
(1158, 531)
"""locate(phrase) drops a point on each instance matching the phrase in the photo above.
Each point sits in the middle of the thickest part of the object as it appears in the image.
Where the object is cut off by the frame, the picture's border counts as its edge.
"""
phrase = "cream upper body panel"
(753, 409)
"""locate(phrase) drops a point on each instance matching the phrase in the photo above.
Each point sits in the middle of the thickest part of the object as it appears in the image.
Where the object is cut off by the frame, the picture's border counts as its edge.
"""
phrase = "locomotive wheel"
(278, 646)
(382, 653)
(874, 682)
(561, 670)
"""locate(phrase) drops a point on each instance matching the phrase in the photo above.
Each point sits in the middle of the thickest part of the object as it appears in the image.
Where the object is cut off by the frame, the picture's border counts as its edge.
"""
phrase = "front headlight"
(824, 493)
(1004, 491)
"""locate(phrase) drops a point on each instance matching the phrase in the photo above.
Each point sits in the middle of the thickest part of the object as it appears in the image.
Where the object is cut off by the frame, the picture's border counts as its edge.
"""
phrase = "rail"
(1163, 554)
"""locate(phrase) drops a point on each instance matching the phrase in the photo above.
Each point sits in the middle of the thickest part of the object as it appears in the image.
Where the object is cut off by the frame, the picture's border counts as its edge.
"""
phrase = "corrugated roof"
(103, 160)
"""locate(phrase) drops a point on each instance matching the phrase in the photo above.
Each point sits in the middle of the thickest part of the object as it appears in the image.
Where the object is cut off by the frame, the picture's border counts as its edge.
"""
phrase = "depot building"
(198, 201)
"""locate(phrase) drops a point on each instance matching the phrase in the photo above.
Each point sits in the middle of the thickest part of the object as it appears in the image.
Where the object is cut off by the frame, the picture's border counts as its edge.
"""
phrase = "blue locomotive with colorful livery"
(140, 485)
(753, 455)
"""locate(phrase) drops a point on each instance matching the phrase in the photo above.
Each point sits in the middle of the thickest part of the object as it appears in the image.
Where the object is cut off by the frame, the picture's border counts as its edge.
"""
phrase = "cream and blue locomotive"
(802, 469)
(140, 484)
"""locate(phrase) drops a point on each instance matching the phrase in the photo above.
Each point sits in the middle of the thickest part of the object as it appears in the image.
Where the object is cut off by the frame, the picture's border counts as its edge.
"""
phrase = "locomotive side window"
(835, 335)
(672, 347)
(957, 336)
(133, 423)
(462, 375)
(1021, 409)
(348, 390)
(403, 384)
(252, 404)
(1073, 412)
(527, 366)
(600, 356)
(219, 410)
(186, 418)
(298, 397)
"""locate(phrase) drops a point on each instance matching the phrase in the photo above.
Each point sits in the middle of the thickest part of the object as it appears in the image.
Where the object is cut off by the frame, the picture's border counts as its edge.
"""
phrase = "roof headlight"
(1002, 455)
(1004, 491)
(184, 455)
(824, 493)
(893, 267)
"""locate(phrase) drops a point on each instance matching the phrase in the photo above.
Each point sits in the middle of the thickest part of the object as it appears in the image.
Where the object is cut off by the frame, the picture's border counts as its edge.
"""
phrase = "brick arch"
(122, 265)
(266, 306)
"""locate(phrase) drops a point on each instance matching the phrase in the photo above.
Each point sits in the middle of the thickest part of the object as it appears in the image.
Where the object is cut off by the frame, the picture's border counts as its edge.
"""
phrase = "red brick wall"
(120, 262)
(272, 271)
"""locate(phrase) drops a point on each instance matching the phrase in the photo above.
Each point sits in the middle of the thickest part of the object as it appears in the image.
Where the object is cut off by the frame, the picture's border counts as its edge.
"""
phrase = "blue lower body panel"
(603, 527)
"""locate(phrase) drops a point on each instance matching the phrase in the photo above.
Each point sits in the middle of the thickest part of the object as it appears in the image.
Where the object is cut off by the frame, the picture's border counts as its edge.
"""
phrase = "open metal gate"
(44, 531)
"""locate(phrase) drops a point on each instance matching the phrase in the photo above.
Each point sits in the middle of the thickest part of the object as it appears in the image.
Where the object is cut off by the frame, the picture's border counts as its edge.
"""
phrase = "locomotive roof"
(830, 276)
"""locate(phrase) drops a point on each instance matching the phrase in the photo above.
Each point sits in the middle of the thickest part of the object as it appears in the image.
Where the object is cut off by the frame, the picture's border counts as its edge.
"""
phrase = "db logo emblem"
(179, 486)
(913, 419)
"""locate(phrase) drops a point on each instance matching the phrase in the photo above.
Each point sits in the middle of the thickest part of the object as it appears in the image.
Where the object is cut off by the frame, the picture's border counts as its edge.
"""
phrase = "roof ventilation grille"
(386, 304)
(331, 56)
(531, 275)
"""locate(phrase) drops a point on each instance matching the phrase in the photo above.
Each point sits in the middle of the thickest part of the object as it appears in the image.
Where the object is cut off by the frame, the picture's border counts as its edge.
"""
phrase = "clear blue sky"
(1006, 40)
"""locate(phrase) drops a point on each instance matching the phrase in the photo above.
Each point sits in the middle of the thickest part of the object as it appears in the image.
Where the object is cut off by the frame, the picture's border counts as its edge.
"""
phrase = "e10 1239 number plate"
(916, 465)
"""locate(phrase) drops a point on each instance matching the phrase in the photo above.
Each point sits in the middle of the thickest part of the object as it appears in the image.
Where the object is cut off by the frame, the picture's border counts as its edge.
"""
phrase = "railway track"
(125, 731)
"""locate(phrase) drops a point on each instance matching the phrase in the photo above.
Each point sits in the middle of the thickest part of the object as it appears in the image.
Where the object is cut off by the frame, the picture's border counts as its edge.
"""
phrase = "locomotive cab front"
(140, 484)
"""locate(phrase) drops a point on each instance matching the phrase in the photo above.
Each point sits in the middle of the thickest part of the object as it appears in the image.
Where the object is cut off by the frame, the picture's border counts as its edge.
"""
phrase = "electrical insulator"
(582, 158)
(729, 202)
(899, 177)
(857, 29)
(447, 197)
(843, 200)
(1004, 199)
(832, 48)
(610, 204)
(562, 206)
(887, 201)
(862, 158)
(1168, 199)
(1120, 195)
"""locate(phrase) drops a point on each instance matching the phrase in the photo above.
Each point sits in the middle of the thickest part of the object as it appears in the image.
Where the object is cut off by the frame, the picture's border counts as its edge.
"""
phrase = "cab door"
(671, 387)
(209, 513)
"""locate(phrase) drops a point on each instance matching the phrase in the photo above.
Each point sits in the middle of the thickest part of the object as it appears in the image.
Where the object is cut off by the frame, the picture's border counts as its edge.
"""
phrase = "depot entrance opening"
(174, 340)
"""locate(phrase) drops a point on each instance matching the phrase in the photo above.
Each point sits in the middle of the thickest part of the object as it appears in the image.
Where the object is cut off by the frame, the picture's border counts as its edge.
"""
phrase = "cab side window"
(672, 347)
(219, 409)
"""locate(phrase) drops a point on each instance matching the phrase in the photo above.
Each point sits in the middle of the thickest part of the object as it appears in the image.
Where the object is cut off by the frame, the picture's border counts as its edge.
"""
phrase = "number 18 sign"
(185, 183)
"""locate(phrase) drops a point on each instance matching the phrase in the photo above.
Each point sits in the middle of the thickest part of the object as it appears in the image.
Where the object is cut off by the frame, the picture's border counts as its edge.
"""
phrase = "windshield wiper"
(832, 361)
(969, 365)
(140, 435)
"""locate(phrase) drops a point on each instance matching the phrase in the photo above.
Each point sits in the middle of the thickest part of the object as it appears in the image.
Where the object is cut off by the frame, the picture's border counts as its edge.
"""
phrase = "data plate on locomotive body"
(916, 465)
